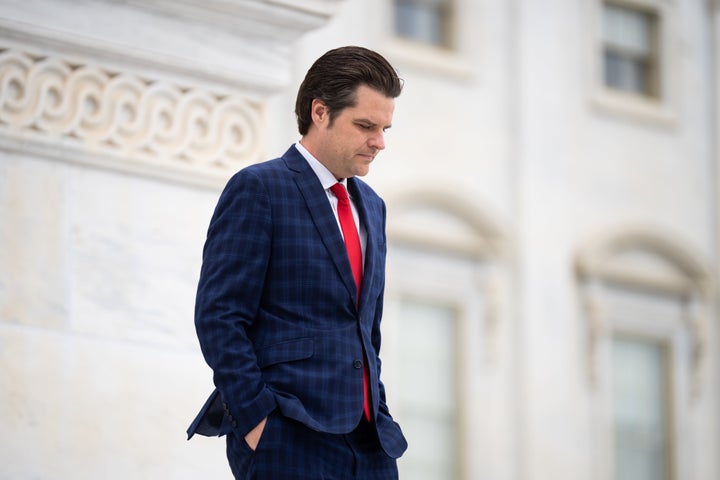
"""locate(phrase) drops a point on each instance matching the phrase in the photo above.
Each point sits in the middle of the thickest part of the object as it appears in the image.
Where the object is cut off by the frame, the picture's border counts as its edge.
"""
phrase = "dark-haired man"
(290, 295)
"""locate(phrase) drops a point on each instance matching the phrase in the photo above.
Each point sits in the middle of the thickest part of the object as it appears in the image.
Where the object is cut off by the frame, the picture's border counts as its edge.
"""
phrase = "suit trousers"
(289, 450)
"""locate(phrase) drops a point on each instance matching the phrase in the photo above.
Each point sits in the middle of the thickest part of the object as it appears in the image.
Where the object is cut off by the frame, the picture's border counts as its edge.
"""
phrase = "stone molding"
(479, 235)
(685, 275)
(89, 113)
(436, 219)
(671, 276)
(671, 268)
(276, 19)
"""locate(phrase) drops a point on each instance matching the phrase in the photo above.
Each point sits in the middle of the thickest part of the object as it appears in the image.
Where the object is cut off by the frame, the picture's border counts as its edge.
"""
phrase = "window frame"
(417, 294)
(653, 88)
(657, 109)
(452, 61)
(669, 354)
(641, 320)
(447, 24)
(647, 283)
(458, 266)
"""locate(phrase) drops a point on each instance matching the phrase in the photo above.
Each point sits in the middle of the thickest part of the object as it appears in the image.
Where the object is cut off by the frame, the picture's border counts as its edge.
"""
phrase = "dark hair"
(335, 77)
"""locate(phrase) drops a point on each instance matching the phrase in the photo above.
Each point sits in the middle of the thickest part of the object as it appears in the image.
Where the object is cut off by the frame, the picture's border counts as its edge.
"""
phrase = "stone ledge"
(277, 19)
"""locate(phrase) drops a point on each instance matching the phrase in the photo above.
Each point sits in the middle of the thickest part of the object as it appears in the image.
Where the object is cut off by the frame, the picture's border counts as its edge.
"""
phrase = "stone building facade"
(551, 178)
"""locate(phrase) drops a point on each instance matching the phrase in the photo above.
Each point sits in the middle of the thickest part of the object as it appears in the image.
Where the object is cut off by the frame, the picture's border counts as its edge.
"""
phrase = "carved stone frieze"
(88, 109)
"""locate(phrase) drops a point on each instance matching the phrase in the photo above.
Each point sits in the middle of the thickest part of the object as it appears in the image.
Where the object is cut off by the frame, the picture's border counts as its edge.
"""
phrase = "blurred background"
(551, 177)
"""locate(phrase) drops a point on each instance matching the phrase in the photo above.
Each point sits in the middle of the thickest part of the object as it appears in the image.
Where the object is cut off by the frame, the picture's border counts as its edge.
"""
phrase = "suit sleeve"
(235, 260)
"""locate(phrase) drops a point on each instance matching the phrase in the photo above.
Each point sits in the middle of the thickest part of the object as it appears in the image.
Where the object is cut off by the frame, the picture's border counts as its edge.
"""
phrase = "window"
(427, 389)
(443, 364)
(640, 404)
(631, 49)
(425, 21)
(646, 302)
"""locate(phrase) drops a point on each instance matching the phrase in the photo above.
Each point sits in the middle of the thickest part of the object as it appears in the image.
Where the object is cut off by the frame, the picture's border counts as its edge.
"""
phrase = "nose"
(377, 141)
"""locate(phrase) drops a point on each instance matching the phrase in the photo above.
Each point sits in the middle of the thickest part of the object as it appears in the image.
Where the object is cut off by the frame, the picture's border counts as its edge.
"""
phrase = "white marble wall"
(101, 370)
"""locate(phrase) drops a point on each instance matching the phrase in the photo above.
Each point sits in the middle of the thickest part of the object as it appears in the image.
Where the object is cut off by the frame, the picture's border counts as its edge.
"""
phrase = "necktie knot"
(340, 192)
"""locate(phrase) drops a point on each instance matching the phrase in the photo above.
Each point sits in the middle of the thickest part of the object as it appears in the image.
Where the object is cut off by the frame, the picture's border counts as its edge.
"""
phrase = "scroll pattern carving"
(124, 114)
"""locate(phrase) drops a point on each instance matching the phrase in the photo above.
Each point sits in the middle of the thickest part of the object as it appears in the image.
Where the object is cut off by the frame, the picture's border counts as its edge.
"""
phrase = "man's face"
(357, 134)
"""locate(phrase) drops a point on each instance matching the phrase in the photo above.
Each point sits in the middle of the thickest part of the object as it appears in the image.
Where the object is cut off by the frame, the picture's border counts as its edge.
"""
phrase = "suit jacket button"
(357, 364)
(234, 424)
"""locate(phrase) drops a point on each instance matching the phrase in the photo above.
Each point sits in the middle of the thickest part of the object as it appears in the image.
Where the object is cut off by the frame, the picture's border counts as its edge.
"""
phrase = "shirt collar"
(327, 179)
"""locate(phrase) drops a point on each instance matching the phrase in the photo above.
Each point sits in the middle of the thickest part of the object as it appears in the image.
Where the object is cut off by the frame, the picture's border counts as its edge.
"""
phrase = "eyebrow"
(371, 123)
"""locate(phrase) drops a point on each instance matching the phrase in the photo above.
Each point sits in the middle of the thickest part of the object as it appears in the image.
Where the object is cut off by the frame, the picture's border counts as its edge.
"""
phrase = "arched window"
(442, 332)
(644, 294)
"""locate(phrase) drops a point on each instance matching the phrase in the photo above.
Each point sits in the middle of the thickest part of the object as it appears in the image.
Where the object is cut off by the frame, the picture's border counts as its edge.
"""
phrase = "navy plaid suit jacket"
(276, 310)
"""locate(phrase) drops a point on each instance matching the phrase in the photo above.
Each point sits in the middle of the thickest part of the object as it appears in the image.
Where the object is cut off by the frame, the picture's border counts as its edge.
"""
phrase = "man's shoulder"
(264, 167)
(266, 170)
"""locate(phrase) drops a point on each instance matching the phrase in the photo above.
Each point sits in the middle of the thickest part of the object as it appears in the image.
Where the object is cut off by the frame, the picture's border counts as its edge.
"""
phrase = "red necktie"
(352, 244)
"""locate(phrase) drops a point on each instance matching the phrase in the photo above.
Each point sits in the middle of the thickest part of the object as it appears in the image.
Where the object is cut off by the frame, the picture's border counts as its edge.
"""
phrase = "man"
(290, 295)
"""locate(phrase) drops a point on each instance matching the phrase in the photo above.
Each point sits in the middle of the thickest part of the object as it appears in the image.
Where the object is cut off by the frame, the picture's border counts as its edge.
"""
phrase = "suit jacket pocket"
(286, 351)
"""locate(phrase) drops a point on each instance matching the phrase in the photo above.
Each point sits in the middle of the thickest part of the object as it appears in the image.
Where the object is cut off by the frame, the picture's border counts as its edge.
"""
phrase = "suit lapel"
(322, 215)
(368, 218)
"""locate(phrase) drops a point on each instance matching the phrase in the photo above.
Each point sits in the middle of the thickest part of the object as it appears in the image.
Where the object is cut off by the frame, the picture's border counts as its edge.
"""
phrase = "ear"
(319, 112)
